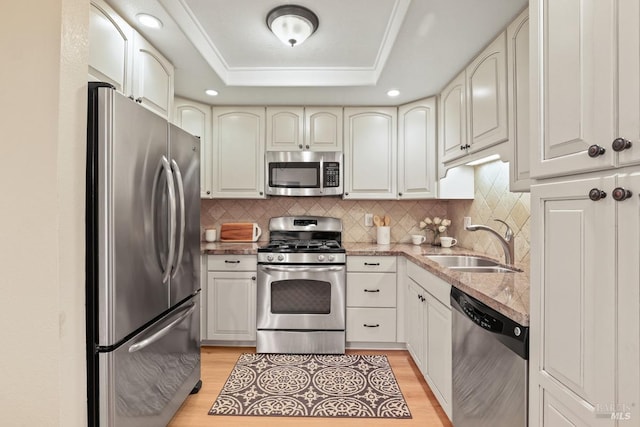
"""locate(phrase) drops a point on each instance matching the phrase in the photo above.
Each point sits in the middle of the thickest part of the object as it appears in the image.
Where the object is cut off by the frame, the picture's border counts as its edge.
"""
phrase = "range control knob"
(332, 257)
(517, 331)
(596, 150)
(280, 257)
(269, 257)
(320, 257)
(619, 194)
(620, 144)
(596, 194)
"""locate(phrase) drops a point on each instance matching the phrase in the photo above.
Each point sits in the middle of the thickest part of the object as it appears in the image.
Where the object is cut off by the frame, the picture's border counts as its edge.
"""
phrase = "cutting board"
(240, 232)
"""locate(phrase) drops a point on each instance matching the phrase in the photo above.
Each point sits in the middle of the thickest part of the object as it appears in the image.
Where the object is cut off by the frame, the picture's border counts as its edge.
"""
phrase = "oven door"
(301, 297)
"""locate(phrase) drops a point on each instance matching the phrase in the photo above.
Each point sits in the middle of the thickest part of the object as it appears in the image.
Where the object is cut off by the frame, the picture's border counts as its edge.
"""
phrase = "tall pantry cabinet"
(585, 206)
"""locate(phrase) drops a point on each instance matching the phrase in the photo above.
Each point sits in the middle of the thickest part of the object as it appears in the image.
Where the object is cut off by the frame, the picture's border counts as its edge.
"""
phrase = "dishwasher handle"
(509, 332)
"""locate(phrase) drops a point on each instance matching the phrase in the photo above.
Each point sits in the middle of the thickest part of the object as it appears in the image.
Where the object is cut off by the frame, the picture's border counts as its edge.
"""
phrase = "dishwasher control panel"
(481, 319)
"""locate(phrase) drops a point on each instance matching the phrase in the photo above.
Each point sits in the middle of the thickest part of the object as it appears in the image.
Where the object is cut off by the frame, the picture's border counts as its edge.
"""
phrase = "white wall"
(43, 120)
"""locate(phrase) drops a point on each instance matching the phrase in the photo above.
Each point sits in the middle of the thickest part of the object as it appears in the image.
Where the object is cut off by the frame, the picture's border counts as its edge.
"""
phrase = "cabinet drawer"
(371, 290)
(385, 264)
(431, 283)
(371, 324)
(232, 262)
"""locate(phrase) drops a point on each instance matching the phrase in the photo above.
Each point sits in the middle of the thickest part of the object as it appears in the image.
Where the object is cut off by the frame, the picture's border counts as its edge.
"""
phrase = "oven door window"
(300, 297)
(294, 174)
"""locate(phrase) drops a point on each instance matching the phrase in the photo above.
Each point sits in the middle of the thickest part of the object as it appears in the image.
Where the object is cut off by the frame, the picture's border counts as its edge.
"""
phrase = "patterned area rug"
(307, 385)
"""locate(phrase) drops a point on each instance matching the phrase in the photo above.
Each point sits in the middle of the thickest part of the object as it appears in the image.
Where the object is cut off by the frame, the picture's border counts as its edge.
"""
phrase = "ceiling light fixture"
(393, 93)
(292, 24)
(149, 20)
(211, 92)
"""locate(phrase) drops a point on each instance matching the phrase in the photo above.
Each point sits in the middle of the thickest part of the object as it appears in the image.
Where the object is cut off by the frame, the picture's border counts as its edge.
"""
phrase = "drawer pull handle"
(372, 290)
(371, 326)
(226, 261)
(372, 263)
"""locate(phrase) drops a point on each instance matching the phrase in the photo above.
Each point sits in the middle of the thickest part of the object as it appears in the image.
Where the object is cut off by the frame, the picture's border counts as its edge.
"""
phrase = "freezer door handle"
(172, 218)
(162, 332)
(178, 175)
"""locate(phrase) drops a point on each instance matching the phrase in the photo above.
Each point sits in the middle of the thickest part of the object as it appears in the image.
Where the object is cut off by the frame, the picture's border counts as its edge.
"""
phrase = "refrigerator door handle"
(178, 175)
(162, 332)
(172, 218)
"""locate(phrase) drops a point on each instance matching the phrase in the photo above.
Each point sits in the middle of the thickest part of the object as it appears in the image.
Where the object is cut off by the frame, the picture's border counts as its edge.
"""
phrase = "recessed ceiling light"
(211, 92)
(393, 92)
(149, 20)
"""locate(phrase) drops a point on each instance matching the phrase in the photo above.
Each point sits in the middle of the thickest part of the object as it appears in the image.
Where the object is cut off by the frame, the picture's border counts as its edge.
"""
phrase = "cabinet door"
(110, 47)
(323, 128)
(370, 155)
(238, 152)
(417, 161)
(231, 306)
(414, 321)
(453, 119)
(571, 85)
(487, 96)
(573, 295)
(629, 80)
(518, 85)
(195, 118)
(438, 351)
(628, 306)
(152, 78)
(285, 128)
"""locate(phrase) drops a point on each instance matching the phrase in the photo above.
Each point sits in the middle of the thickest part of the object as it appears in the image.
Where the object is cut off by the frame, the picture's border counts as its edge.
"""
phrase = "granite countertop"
(507, 293)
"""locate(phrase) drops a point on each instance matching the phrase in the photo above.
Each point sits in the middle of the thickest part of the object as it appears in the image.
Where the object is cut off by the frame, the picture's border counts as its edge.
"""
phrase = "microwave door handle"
(321, 175)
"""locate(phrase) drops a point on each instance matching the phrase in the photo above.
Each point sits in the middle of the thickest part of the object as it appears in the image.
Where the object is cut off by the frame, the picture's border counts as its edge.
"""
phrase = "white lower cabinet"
(428, 330)
(231, 298)
(371, 299)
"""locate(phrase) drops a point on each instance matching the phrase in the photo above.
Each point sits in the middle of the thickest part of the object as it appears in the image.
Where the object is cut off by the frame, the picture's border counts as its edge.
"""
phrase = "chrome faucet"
(507, 241)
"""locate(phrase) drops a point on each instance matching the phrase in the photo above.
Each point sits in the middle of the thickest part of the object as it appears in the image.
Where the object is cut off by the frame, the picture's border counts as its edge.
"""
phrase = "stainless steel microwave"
(303, 173)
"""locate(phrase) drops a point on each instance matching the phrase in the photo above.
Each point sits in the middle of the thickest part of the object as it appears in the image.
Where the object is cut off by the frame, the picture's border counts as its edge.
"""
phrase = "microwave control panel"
(332, 174)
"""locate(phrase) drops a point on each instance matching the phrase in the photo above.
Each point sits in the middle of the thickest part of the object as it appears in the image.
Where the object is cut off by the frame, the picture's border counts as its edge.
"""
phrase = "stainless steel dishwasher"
(490, 366)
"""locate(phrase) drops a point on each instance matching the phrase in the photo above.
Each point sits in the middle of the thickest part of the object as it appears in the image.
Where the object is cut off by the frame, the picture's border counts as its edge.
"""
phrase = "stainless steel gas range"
(302, 287)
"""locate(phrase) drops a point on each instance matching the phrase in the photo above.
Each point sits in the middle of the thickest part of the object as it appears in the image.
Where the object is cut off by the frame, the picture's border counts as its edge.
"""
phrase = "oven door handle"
(302, 269)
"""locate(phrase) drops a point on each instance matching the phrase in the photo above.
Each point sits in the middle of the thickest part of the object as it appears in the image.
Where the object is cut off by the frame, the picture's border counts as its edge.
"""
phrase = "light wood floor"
(217, 363)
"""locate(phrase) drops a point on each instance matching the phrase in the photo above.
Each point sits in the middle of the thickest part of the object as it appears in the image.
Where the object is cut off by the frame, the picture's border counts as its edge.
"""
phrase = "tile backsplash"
(492, 200)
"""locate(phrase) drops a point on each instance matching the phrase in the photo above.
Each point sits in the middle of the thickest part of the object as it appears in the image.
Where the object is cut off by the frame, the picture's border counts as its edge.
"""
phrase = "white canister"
(384, 235)
(210, 235)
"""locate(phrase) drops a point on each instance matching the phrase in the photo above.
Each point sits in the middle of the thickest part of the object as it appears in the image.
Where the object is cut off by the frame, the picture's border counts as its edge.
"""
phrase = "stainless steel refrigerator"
(142, 263)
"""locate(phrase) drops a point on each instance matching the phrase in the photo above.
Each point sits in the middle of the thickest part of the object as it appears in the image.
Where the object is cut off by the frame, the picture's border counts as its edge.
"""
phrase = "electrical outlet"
(467, 222)
(368, 220)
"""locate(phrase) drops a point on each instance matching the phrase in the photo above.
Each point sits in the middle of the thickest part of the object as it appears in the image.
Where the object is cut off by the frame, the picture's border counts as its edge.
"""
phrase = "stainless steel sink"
(470, 264)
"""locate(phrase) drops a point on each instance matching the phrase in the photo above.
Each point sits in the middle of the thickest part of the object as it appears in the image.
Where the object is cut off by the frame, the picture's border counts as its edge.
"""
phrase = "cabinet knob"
(208, 192)
(619, 194)
(300, 146)
(620, 144)
(400, 194)
(346, 194)
(261, 193)
(253, 278)
(596, 150)
(596, 194)
(307, 146)
(139, 100)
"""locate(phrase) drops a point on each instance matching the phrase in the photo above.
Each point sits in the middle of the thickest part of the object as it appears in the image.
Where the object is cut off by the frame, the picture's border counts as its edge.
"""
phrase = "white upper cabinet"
(152, 78)
(518, 85)
(370, 136)
(195, 118)
(304, 128)
(628, 83)
(453, 119)
(110, 47)
(238, 152)
(122, 57)
(487, 96)
(572, 85)
(417, 159)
